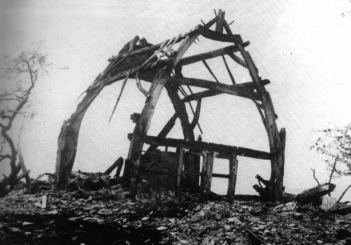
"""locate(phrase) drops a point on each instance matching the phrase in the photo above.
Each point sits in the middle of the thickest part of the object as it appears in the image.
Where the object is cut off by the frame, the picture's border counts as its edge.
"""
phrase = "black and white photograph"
(175, 122)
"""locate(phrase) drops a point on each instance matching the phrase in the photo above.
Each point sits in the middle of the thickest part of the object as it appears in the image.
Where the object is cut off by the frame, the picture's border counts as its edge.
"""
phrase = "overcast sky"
(302, 47)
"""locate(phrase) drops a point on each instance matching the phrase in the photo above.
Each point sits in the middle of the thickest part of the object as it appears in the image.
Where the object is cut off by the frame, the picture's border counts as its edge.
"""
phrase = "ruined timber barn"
(161, 65)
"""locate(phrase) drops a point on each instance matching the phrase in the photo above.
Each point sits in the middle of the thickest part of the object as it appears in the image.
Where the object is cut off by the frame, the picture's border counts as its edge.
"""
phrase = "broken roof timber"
(216, 36)
(212, 54)
(220, 87)
(211, 92)
(205, 146)
(157, 46)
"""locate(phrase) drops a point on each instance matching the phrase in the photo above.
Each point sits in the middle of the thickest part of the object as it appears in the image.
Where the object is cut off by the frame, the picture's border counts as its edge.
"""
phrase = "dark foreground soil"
(58, 217)
(58, 229)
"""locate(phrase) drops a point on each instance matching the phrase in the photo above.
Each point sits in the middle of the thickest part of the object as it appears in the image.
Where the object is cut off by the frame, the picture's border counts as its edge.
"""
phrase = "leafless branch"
(333, 170)
(342, 195)
(2, 157)
(314, 175)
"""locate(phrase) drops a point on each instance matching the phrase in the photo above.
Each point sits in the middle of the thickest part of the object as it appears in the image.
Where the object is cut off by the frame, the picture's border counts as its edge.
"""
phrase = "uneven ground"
(100, 218)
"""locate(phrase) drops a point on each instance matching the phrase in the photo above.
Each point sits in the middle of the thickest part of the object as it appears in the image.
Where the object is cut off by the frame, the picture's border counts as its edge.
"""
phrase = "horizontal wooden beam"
(220, 87)
(225, 176)
(205, 146)
(216, 36)
(210, 93)
(223, 156)
(209, 55)
(200, 95)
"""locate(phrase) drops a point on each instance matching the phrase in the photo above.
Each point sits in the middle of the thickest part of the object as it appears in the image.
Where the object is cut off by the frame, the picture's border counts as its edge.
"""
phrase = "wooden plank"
(228, 70)
(191, 171)
(180, 154)
(210, 55)
(216, 36)
(229, 89)
(209, 69)
(224, 176)
(200, 95)
(223, 156)
(196, 115)
(119, 96)
(210, 93)
(164, 132)
(203, 175)
(119, 168)
(238, 60)
(220, 21)
(209, 169)
(235, 173)
(179, 107)
(231, 180)
(205, 146)
(118, 162)
(211, 22)
(184, 47)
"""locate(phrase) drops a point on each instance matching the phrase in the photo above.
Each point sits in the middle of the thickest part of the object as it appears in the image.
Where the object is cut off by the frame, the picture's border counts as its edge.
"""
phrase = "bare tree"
(19, 77)
(335, 145)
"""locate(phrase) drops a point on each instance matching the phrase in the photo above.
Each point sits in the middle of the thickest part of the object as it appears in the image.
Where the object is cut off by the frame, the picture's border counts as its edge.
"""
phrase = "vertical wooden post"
(236, 174)
(143, 124)
(142, 127)
(206, 176)
(203, 175)
(180, 162)
(232, 178)
(209, 169)
(119, 168)
(281, 163)
(277, 147)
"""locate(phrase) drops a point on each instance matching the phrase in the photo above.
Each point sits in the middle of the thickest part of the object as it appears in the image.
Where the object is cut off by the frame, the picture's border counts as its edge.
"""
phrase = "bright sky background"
(302, 47)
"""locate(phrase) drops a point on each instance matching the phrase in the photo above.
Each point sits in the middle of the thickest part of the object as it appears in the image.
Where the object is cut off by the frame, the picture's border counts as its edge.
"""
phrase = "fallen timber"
(205, 146)
(314, 194)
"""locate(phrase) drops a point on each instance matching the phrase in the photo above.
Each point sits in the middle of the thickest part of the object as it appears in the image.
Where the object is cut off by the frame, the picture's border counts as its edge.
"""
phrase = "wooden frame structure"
(161, 65)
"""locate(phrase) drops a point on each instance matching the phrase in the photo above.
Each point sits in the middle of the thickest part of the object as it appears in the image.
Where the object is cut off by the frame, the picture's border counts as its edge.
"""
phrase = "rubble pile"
(106, 215)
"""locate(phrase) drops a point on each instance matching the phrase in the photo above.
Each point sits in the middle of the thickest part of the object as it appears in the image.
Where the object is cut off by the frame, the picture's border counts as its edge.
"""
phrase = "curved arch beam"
(68, 139)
